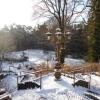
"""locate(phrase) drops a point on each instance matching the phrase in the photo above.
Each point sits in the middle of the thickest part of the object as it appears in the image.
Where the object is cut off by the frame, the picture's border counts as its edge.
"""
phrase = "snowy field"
(51, 89)
(38, 57)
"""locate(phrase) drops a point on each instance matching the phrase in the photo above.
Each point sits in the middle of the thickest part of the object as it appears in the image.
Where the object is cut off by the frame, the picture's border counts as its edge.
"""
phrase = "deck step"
(5, 96)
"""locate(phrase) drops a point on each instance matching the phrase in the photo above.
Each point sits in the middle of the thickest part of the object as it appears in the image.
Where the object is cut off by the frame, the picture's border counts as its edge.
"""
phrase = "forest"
(21, 37)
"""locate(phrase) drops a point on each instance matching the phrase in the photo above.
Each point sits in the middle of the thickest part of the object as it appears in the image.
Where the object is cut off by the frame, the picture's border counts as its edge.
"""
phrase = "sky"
(17, 11)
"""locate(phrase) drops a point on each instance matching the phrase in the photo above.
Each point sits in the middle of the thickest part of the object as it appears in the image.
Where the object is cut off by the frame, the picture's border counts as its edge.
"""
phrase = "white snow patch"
(51, 90)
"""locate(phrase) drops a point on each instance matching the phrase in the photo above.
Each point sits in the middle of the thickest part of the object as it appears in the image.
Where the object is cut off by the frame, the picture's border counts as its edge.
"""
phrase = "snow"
(95, 83)
(26, 95)
(56, 84)
(56, 90)
(74, 62)
(38, 57)
(51, 89)
(9, 83)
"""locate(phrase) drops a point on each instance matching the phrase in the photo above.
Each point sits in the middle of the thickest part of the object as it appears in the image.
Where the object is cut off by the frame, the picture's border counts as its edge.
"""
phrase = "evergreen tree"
(94, 32)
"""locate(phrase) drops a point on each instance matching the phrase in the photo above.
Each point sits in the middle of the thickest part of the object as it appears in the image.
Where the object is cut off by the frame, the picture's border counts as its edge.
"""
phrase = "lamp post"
(57, 41)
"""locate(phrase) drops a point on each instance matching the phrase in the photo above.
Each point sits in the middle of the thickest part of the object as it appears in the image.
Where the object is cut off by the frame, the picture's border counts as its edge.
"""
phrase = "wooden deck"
(4, 95)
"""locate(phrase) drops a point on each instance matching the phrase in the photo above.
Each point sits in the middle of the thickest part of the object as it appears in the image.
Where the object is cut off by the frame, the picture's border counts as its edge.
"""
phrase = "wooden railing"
(4, 95)
(86, 68)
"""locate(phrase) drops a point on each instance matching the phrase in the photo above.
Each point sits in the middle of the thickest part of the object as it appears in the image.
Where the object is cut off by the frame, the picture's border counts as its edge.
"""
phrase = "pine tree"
(94, 31)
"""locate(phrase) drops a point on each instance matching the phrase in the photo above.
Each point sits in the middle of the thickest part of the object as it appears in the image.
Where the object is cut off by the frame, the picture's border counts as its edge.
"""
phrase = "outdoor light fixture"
(57, 40)
(49, 35)
(58, 33)
(68, 35)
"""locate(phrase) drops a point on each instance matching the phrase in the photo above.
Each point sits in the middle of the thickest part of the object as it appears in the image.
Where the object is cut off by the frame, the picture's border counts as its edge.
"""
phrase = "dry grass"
(92, 67)
(86, 68)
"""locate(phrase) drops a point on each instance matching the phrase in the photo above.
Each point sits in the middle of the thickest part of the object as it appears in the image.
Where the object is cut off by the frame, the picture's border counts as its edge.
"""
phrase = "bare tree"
(64, 11)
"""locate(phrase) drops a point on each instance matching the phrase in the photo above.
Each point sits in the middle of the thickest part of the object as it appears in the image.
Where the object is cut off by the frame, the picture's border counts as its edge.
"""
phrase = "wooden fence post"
(74, 78)
(47, 65)
(17, 82)
(9, 70)
(20, 73)
(40, 79)
(89, 83)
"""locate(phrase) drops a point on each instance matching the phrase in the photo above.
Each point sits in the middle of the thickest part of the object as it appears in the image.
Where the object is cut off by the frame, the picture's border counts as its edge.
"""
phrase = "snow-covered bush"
(57, 75)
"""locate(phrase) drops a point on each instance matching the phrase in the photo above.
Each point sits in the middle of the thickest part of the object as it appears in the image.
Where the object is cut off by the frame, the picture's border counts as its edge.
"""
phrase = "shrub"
(57, 75)
(81, 83)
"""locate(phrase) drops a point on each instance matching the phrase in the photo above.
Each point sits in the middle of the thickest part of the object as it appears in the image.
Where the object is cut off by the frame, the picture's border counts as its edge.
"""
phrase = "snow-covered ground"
(38, 57)
(51, 89)
(55, 90)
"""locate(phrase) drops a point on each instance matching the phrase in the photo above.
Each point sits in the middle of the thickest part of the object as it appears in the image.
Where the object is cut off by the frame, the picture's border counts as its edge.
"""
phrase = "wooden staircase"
(4, 95)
